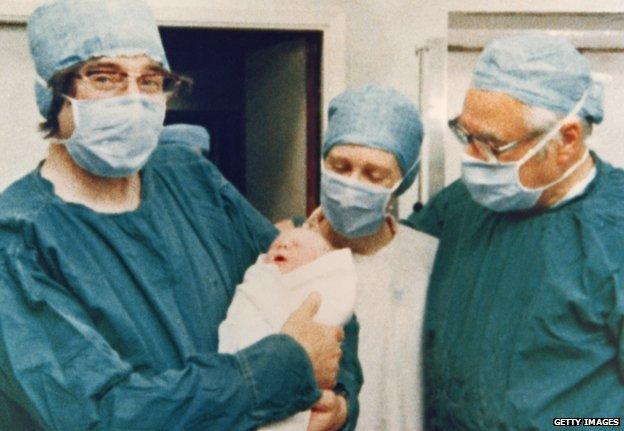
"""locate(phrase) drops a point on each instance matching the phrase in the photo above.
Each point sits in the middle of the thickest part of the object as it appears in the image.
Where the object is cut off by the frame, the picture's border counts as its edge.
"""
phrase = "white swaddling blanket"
(265, 299)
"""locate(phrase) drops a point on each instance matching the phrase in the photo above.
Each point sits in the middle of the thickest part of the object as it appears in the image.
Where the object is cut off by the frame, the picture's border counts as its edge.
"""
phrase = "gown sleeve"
(57, 366)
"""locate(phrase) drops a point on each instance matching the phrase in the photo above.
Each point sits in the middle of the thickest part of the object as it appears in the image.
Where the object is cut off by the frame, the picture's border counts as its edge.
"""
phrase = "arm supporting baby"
(330, 411)
(321, 342)
(301, 272)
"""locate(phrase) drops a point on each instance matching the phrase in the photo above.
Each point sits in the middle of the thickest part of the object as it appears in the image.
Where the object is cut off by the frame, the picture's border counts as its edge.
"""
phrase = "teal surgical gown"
(109, 321)
(524, 311)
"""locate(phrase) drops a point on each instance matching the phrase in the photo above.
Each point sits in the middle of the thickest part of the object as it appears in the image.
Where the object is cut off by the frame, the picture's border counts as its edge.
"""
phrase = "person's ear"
(65, 119)
(571, 137)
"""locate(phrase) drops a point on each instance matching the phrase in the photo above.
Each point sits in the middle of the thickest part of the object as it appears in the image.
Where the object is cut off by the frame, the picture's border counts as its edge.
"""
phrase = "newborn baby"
(295, 248)
(298, 263)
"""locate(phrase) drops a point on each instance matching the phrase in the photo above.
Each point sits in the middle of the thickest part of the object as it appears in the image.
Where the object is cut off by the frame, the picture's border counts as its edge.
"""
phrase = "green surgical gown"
(109, 321)
(524, 311)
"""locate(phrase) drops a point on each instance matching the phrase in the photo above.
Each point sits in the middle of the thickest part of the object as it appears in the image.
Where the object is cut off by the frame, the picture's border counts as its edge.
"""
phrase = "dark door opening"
(258, 94)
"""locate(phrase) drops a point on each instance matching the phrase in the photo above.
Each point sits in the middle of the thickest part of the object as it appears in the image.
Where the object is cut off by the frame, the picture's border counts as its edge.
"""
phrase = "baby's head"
(295, 248)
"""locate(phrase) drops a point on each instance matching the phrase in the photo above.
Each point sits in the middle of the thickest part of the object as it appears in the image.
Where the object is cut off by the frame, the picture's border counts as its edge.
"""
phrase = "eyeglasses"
(492, 145)
(114, 82)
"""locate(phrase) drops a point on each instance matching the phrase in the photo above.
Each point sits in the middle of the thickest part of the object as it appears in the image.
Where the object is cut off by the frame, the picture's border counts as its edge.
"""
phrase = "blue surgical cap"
(63, 33)
(381, 118)
(540, 70)
(186, 134)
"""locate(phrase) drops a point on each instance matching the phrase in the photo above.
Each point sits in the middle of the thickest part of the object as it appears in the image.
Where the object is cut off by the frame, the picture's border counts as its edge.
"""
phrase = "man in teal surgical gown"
(119, 258)
(525, 303)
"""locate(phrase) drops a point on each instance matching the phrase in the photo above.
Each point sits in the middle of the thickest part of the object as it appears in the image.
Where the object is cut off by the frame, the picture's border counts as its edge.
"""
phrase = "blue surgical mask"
(114, 137)
(353, 208)
(496, 185)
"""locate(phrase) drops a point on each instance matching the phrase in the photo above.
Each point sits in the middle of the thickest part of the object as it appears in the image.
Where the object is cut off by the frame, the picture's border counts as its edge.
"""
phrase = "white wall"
(608, 137)
(21, 146)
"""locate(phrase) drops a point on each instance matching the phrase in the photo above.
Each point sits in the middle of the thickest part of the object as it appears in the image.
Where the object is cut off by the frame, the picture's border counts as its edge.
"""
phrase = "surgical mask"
(114, 137)
(496, 185)
(353, 208)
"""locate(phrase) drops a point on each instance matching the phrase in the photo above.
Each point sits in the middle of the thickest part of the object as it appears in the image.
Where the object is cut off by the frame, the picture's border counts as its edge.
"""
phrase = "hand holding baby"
(321, 342)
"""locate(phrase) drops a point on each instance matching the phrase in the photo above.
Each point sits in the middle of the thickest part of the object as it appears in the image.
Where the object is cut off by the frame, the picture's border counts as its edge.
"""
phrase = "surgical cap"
(186, 134)
(540, 70)
(64, 33)
(381, 118)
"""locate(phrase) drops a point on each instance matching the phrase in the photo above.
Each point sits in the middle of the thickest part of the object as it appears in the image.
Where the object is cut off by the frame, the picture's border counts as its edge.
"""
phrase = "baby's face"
(295, 248)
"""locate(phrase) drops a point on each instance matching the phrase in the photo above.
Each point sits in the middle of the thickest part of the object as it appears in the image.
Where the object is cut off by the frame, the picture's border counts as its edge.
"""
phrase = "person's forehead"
(302, 235)
(493, 113)
(124, 62)
(362, 154)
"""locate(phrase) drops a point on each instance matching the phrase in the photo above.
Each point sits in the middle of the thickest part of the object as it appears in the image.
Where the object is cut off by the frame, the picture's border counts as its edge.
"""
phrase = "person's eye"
(490, 141)
(493, 142)
(104, 78)
(340, 167)
(152, 82)
(480, 140)
(375, 176)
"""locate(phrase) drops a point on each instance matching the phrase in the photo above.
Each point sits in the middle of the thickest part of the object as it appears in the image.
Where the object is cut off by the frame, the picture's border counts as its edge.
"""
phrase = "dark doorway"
(245, 97)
